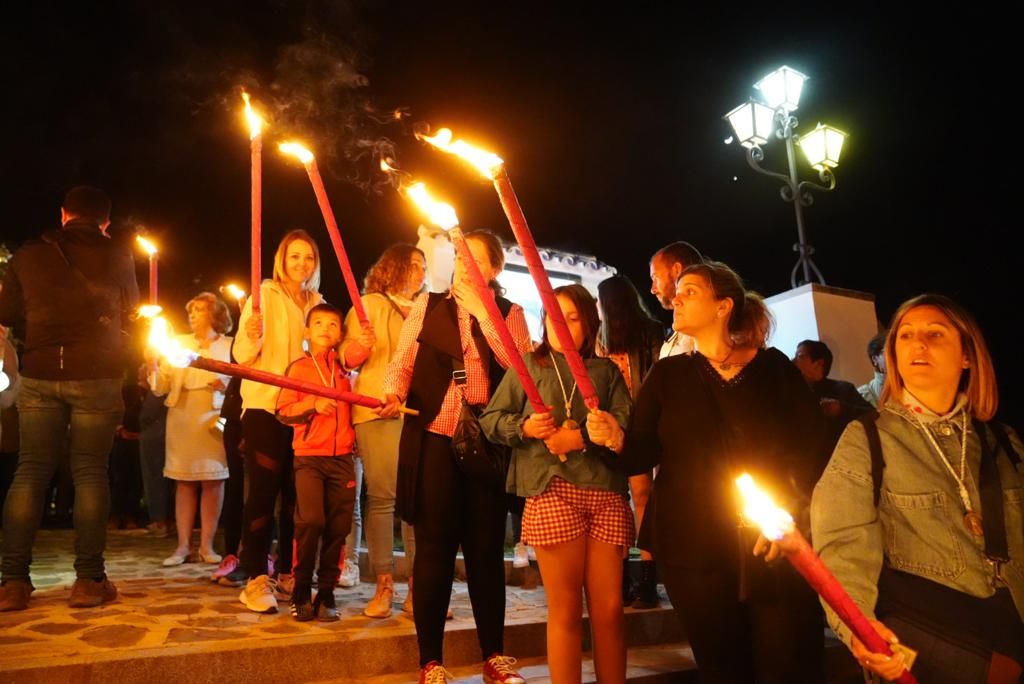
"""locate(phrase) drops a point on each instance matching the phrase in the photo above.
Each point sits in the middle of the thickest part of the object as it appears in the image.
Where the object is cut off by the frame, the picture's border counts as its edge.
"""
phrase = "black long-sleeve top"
(704, 432)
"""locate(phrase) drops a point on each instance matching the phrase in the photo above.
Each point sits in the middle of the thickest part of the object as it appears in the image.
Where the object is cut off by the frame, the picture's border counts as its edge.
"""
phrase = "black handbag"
(476, 457)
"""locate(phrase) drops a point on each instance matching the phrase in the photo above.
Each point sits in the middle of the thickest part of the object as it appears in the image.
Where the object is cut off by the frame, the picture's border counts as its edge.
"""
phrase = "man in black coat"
(840, 401)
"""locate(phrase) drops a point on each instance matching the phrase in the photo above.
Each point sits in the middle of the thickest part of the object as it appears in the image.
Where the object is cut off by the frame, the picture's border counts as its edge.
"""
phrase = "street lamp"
(753, 123)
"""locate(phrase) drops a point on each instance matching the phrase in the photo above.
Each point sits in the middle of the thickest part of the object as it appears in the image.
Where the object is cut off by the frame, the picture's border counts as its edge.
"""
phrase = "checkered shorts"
(564, 512)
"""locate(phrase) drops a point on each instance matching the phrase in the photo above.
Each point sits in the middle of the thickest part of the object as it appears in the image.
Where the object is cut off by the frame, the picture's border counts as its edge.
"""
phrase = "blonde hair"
(313, 282)
(219, 313)
(978, 380)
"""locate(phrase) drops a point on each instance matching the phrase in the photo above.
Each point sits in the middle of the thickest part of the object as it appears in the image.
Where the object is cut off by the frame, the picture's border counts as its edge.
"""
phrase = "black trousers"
(234, 490)
(268, 465)
(453, 510)
(325, 496)
(764, 640)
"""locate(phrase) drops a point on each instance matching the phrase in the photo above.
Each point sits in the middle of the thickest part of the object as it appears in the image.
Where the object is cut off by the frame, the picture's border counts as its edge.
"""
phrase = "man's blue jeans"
(47, 409)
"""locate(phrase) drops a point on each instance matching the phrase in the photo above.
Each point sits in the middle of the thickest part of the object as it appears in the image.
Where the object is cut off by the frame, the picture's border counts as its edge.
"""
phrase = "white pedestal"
(845, 320)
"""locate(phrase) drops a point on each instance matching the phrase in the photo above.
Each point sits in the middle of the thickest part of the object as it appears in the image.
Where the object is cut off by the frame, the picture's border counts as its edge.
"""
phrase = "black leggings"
(453, 510)
(268, 465)
(765, 640)
(234, 490)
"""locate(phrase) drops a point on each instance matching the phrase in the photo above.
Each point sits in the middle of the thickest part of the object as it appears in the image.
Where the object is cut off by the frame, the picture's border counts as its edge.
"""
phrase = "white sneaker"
(520, 557)
(349, 575)
(531, 553)
(258, 595)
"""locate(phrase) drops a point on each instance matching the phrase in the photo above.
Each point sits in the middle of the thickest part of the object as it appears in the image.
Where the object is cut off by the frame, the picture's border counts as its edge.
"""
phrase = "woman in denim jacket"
(912, 527)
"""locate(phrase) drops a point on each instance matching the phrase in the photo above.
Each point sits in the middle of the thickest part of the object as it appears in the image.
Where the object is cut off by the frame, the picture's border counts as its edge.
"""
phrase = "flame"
(161, 340)
(234, 291)
(487, 163)
(254, 120)
(296, 150)
(387, 168)
(775, 523)
(438, 213)
(149, 310)
(148, 246)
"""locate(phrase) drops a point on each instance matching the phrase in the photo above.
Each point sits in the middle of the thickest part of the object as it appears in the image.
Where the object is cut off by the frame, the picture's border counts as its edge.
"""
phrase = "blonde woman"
(270, 340)
(195, 451)
(919, 513)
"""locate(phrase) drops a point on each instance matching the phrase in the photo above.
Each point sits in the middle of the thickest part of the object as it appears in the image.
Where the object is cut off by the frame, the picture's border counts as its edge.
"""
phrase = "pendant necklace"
(569, 423)
(972, 519)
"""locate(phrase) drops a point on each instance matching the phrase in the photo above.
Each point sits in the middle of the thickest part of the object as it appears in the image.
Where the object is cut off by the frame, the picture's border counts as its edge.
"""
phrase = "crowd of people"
(908, 488)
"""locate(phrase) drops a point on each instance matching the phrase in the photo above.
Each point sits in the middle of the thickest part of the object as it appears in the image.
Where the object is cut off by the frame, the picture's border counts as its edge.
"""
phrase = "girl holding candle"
(270, 340)
(389, 289)
(577, 517)
(731, 406)
(934, 509)
(632, 339)
(448, 351)
(195, 456)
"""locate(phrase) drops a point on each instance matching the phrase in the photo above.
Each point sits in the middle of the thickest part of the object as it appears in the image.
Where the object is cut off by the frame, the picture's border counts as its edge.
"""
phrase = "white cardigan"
(170, 381)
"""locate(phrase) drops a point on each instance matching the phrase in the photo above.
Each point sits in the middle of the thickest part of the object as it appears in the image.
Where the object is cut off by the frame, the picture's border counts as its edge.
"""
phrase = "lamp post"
(754, 122)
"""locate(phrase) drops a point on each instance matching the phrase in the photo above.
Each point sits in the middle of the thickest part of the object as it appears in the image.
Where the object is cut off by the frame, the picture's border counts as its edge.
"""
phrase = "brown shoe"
(87, 593)
(14, 594)
(380, 605)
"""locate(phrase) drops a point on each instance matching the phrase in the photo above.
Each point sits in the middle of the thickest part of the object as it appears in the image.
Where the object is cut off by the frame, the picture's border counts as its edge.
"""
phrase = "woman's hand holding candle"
(392, 403)
(254, 327)
(887, 667)
(769, 549)
(467, 296)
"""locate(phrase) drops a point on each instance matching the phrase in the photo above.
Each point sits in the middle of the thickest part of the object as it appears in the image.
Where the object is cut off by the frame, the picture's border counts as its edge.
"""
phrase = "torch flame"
(148, 246)
(150, 310)
(5, 381)
(385, 167)
(440, 214)
(487, 163)
(160, 339)
(296, 150)
(775, 523)
(254, 120)
(234, 291)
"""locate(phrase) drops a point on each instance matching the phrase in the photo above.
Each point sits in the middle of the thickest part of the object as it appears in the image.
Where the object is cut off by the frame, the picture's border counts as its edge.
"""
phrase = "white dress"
(195, 445)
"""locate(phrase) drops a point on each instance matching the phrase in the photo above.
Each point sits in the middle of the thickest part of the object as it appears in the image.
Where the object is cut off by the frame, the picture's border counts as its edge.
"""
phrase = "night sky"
(610, 123)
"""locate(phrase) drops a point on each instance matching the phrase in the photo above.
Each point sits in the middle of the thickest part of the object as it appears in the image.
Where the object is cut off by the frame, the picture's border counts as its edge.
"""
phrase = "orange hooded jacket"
(317, 435)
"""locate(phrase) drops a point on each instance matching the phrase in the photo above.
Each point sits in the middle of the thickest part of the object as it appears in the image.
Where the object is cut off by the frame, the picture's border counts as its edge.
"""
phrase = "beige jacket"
(386, 320)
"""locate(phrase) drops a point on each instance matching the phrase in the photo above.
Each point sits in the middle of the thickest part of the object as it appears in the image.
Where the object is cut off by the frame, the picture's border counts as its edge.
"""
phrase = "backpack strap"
(1003, 440)
(870, 422)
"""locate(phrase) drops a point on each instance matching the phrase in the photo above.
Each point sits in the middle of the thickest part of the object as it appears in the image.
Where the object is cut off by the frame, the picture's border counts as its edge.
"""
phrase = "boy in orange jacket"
(325, 483)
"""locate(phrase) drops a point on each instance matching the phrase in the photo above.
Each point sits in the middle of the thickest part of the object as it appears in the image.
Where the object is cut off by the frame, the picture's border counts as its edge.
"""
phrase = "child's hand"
(539, 426)
(325, 406)
(367, 338)
(564, 440)
(605, 430)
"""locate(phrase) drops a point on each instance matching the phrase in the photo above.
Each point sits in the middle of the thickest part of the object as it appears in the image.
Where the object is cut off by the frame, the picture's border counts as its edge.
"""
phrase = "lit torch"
(180, 357)
(151, 250)
(309, 161)
(443, 216)
(233, 291)
(256, 124)
(492, 167)
(777, 525)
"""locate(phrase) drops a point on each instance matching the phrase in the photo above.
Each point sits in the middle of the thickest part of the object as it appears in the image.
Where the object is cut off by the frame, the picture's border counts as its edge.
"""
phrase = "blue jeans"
(47, 410)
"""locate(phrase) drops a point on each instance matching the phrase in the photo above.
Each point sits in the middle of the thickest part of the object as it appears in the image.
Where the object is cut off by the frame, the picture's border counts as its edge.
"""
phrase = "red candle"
(255, 199)
(151, 250)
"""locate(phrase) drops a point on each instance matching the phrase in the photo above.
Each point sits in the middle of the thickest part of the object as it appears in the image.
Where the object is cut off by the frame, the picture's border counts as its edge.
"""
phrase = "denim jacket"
(918, 527)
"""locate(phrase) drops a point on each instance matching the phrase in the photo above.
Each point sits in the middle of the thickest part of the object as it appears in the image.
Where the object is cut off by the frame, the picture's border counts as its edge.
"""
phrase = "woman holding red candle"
(270, 340)
(925, 496)
(449, 351)
(703, 418)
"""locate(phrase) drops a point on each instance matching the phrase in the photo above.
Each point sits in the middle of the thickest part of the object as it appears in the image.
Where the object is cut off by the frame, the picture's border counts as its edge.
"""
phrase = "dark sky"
(610, 123)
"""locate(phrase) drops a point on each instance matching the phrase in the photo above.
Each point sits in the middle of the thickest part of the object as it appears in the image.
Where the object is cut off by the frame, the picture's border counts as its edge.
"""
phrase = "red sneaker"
(434, 673)
(498, 670)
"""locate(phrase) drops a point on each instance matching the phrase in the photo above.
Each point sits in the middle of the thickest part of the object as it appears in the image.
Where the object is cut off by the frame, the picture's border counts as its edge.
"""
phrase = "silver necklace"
(569, 423)
(972, 519)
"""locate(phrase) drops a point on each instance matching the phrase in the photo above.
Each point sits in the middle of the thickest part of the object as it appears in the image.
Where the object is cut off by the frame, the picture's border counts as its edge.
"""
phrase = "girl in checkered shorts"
(577, 516)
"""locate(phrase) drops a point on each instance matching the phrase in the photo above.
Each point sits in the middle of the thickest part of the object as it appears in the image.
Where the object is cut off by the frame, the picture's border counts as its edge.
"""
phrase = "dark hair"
(750, 323)
(679, 253)
(586, 305)
(324, 307)
(818, 351)
(627, 325)
(495, 252)
(88, 203)
(391, 269)
(876, 345)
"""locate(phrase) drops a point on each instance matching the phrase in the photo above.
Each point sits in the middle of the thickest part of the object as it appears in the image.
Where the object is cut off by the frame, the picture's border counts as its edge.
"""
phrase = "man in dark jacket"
(840, 401)
(68, 294)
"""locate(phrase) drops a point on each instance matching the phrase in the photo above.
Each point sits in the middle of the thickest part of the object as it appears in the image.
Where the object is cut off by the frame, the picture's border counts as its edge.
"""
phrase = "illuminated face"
(417, 272)
(694, 305)
(482, 258)
(200, 317)
(929, 353)
(299, 261)
(324, 329)
(663, 280)
(573, 320)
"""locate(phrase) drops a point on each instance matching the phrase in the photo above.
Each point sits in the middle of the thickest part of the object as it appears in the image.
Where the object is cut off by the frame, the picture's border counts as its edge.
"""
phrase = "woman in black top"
(730, 407)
